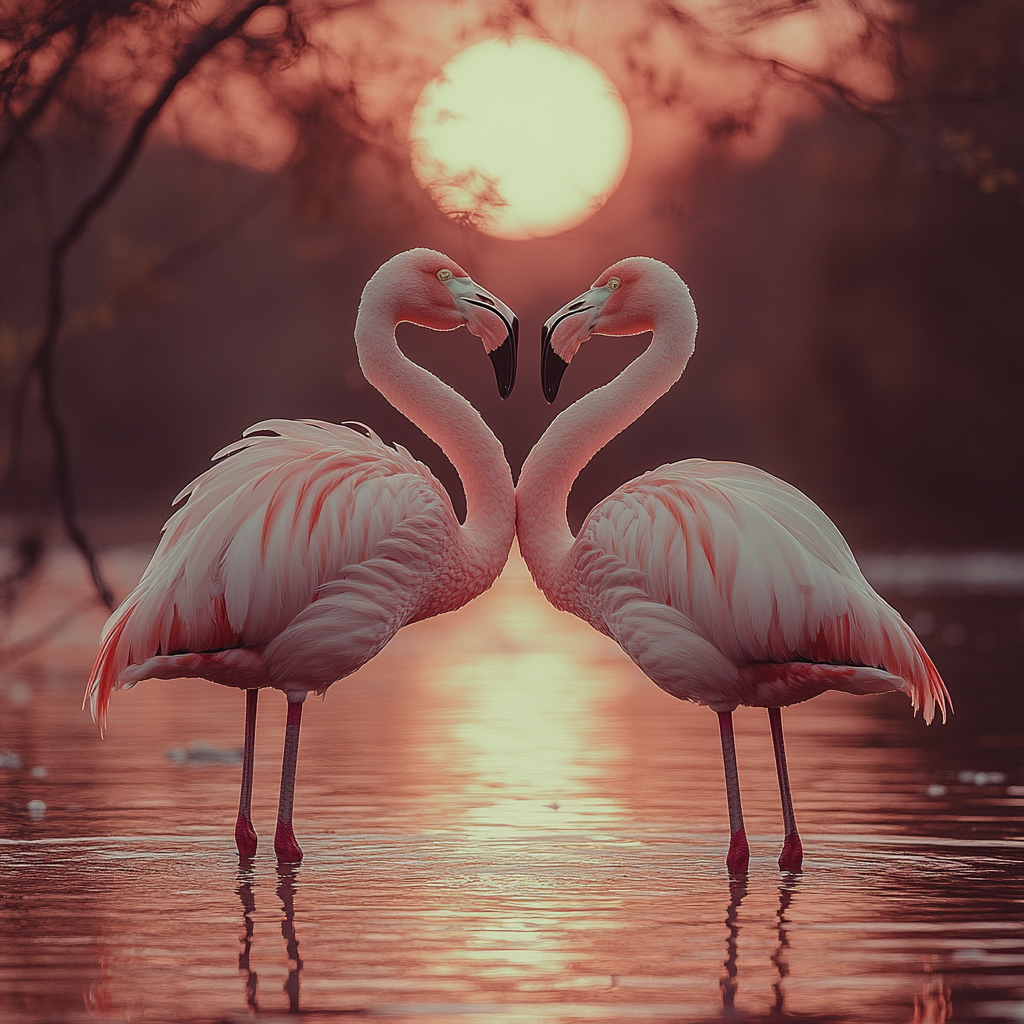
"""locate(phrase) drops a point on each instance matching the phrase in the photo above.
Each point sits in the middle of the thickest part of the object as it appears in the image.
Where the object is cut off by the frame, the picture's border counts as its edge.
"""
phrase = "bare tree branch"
(20, 126)
(40, 364)
(886, 39)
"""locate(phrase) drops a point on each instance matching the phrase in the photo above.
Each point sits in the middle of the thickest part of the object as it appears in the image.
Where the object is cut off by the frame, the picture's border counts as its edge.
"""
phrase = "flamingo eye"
(613, 283)
(444, 274)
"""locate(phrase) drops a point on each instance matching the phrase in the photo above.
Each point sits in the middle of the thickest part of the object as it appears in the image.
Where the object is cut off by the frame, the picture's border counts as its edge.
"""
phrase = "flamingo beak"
(564, 332)
(552, 366)
(504, 359)
(494, 324)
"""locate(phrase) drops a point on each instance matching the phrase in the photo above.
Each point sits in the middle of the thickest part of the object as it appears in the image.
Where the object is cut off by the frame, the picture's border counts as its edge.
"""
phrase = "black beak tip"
(552, 369)
(552, 366)
(503, 359)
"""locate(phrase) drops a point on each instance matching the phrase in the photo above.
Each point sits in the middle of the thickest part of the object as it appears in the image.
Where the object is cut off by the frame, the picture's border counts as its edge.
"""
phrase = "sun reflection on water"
(525, 711)
(504, 821)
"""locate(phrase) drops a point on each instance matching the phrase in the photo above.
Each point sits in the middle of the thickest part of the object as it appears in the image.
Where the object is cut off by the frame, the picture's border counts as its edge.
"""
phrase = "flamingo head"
(427, 288)
(630, 297)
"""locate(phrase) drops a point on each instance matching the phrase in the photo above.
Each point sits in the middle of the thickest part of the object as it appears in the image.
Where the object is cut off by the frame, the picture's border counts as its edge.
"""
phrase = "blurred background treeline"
(851, 235)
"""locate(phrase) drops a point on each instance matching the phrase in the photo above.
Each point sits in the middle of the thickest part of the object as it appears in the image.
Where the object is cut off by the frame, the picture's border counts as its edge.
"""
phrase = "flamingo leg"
(245, 834)
(739, 851)
(285, 846)
(792, 849)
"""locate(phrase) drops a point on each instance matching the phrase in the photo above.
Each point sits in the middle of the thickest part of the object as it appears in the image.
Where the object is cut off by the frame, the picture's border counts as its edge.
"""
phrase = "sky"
(852, 245)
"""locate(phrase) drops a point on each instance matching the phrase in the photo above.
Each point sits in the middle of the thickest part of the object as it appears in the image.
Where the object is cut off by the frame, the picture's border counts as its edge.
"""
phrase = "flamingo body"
(724, 584)
(728, 586)
(292, 564)
(302, 552)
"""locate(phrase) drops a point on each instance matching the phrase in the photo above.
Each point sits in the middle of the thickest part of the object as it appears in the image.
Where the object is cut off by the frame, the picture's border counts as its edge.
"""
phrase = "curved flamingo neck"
(578, 433)
(454, 425)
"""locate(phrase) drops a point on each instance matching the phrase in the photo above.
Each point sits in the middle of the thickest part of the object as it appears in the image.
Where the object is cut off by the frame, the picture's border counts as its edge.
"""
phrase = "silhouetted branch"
(728, 37)
(40, 364)
(20, 126)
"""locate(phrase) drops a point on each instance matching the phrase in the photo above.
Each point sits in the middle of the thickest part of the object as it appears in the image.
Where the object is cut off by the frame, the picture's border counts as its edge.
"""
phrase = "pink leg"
(792, 849)
(739, 852)
(245, 834)
(285, 846)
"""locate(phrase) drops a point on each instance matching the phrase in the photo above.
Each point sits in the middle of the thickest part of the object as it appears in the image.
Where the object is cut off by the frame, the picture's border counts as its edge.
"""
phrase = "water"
(505, 822)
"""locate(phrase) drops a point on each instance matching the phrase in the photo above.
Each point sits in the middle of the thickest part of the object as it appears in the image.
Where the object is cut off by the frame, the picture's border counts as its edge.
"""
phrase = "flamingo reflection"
(781, 955)
(933, 1004)
(245, 894)
(286, 888)
(729, 984)
(286, 893)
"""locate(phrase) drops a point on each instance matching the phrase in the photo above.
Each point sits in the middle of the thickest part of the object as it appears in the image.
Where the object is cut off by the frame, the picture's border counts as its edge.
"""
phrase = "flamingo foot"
(245, 837)
(739, 853)
(285, 845)
(792, 856)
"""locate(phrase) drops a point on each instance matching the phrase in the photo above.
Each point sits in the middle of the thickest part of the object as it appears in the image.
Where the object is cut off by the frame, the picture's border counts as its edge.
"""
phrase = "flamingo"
(724, 584)
(302, 553)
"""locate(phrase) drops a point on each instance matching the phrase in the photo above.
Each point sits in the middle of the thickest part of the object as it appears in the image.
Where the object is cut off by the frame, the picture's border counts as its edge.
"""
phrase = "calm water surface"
(504, 821)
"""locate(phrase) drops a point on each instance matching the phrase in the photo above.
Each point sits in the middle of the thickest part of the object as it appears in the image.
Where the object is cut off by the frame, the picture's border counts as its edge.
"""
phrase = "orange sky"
(682, 77)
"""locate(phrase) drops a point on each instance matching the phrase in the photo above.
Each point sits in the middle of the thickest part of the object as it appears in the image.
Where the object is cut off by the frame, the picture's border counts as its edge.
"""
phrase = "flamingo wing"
(298, 515)
(756, 572)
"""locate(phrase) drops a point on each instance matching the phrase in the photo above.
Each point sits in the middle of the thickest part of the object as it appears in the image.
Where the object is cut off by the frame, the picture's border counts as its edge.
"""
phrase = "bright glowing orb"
(520, 139)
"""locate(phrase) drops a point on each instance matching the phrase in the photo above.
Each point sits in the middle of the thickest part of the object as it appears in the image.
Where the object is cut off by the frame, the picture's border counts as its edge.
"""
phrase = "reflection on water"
(245, 894)
(933, 994)
(286, 894)
(504, 821)
(729, 983)
(779, 957)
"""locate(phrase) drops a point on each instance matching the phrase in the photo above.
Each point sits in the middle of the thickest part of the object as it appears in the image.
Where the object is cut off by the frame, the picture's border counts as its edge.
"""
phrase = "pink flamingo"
(301, 554)
(724, 584)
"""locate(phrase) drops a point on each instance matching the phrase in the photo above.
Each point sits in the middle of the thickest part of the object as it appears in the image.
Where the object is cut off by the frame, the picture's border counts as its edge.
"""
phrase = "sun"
(521, 139)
